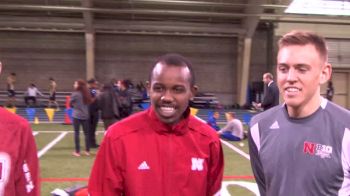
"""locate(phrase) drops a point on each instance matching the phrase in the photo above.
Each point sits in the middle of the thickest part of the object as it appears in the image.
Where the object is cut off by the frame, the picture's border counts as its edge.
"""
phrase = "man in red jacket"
(163, 150)
(19, 173)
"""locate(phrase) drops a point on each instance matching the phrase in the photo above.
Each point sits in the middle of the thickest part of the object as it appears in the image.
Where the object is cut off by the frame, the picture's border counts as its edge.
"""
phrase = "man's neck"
(268, 84)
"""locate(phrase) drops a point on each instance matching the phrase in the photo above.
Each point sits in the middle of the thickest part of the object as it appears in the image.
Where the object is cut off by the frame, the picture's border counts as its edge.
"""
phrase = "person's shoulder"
(267, 115)
(75, 94)
(11, 121)
(198, 125)
(274, 85)
(237, 121)
(338, 113)
(127, 126)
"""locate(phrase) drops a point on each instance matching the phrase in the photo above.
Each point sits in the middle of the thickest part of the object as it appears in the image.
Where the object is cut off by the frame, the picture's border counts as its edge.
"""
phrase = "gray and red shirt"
(301, 156)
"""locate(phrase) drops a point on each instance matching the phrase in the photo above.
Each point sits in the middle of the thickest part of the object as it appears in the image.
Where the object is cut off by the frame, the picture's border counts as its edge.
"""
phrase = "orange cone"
(68, 112)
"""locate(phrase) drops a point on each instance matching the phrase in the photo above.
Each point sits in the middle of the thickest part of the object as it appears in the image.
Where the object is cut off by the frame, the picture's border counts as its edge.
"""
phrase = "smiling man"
(302, 147)
(163, 150)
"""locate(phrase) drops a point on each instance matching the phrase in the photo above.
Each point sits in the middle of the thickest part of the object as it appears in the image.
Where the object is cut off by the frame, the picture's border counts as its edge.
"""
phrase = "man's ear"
(326, 73)
(148, 86)
(0, 66)
(194, 90)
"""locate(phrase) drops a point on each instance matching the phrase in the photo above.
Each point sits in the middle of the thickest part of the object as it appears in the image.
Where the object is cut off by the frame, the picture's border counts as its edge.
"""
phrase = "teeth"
(292, 89)
(167, 110)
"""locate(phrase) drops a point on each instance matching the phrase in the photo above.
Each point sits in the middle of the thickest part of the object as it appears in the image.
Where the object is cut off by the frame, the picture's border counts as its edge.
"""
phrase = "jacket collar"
(179, 128)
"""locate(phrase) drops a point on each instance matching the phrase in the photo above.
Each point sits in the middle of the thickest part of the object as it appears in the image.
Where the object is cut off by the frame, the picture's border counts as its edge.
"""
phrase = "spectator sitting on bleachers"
(31, 94)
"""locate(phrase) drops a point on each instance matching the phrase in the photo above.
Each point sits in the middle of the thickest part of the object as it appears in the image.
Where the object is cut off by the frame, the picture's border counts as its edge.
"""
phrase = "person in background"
(271, 95)
(301, 147)
(233, 130)
(52, 93)
(79, 101)
(31, 94)
(163, 150)
(124, 99)
(11, 80)
(19, 164)
(93, 112)
(108, 105)
(330, 90)
(142, 90)
(212, 118)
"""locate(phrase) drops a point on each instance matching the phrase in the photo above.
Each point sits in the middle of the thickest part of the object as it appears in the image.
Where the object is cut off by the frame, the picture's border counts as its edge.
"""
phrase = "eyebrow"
(282, 64)
(294, 65)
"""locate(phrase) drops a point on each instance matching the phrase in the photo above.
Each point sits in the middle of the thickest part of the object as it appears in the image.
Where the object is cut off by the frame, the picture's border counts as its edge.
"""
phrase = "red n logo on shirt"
(197, 164)
(5, 168)
(309, 148)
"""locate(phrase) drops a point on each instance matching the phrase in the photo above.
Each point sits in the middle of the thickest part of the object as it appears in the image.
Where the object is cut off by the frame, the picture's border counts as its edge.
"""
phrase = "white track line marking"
(51, 144)
(234, 148)
(35, 133)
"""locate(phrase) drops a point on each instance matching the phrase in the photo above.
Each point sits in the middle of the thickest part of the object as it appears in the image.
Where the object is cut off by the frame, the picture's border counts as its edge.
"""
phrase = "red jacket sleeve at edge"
(216, 168)
(27, 168)
(105, 178)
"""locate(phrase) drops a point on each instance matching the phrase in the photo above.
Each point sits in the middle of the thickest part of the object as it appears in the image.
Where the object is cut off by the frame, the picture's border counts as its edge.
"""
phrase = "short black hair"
(176, 60)
(91, 81)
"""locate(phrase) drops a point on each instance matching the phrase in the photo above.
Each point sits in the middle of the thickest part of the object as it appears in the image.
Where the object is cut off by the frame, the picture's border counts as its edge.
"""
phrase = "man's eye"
(302, 69)
(283, 69)
(158, 88)
(179, 90)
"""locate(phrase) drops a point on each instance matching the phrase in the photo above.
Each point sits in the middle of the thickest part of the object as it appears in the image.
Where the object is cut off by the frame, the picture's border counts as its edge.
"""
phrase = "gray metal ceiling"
(195, 17)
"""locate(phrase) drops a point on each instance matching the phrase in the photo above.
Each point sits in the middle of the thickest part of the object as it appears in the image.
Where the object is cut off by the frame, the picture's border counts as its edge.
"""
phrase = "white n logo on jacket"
(197, 164)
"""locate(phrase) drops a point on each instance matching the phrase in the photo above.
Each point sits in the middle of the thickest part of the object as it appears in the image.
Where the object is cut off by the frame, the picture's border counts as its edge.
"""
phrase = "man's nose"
(291, 75)
(167, 96)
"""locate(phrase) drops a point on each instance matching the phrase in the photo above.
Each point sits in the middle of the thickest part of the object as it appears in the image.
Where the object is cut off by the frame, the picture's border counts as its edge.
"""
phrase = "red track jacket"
(19, 165)
(143, 156)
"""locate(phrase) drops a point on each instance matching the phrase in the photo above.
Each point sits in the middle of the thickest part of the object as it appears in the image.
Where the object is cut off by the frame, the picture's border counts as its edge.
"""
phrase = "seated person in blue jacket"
(233, 130)
(212, 118)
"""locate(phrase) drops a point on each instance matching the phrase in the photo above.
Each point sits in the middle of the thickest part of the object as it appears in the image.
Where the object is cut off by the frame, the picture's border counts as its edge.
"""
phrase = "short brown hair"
(82, 87)
(232, 114)
(303, 38)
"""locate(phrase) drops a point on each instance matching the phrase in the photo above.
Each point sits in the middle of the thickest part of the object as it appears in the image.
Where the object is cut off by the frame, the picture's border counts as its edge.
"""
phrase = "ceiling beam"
(251, 22)
(155, 12)
(176, 27)
(306, 19)
(187, 3)
(88, 16)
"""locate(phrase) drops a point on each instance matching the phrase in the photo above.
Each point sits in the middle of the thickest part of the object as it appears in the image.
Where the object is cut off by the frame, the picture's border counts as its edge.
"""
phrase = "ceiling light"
(320, 7)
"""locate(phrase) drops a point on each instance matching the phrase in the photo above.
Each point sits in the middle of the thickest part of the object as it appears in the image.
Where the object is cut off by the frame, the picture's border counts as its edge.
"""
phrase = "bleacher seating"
(42, 101)
(59, 116)
(205, 100)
